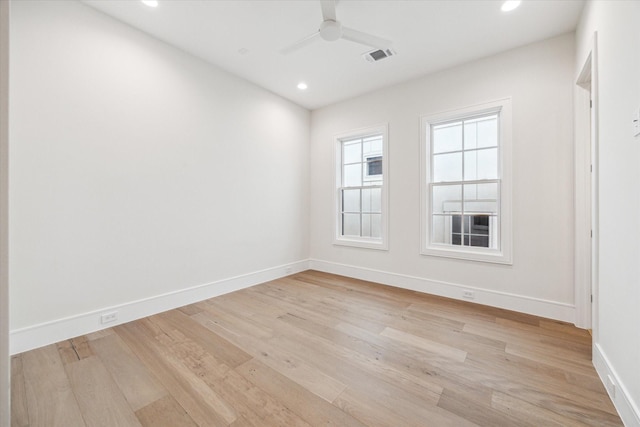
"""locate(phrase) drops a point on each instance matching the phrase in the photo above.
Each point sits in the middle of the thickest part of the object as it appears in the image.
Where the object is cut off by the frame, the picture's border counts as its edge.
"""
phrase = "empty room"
(319, 213)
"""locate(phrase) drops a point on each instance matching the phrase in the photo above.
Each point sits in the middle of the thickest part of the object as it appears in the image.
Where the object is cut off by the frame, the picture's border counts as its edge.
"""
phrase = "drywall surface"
(539, 80)
(618, 96)
(138, 170)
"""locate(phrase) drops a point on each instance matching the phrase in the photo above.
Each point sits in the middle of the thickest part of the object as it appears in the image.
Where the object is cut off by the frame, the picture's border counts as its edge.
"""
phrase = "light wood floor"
(317, 349)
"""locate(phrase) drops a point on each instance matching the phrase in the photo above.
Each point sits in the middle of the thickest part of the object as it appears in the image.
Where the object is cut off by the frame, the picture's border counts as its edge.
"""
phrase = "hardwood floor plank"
(250, 403)
(101, 401)
(67, 352)
(425, 344)
(350, 359)
(50, 400)
(379, 406)
(153, 357)
(477, 413)
(257, 406)
(536, 415)
(138, 385)
(19, 411)
(316, 349)
(81, 347)
(506, 372)
(287, 364)
(164, 412)
(225, 351)
(280, 293)
(99, 334)
(585, 414)
(314, 410)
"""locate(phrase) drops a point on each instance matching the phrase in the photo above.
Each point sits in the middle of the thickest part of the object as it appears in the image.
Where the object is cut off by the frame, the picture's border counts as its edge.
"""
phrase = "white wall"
(138, 171)
(5, 362)
(539, 79)
(617, 346)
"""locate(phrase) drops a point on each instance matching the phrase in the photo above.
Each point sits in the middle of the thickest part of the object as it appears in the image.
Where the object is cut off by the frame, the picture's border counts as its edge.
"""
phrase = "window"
(466, 207)
(361, 195)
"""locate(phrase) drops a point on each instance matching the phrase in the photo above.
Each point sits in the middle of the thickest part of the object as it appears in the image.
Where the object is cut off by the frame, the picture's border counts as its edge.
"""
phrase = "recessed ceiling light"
(150, 3)
(302, 86)
(510, 5)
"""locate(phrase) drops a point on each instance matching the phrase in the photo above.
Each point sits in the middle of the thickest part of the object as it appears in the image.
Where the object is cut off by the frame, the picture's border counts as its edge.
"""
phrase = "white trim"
(628, 410)
(503, 255)
(5, 361)
(362, 242)
(60, 329)
(585, 185)
(521, 303)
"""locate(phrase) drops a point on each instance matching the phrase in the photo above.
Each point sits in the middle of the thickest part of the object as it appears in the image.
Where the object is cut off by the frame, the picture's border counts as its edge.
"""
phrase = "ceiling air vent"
(377, 55)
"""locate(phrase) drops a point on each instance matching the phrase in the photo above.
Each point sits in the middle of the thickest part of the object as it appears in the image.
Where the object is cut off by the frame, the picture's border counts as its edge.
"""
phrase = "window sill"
(362, 243)
(487, 255)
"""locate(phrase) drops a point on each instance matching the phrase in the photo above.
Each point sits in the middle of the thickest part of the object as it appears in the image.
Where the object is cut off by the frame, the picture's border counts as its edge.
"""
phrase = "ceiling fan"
(331, 30)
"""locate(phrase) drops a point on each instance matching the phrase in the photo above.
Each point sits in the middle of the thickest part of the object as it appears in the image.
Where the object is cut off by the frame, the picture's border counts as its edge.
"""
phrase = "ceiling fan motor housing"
(330, 30)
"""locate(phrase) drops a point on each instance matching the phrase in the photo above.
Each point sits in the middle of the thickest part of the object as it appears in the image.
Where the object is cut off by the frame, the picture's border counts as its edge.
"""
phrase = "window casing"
(466, 183)
(361, 188)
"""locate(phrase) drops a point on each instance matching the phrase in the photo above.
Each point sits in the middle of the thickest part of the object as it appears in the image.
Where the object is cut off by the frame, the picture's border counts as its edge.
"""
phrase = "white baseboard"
(57, 330)
(621, 398)
(523, 304)
(60, 329)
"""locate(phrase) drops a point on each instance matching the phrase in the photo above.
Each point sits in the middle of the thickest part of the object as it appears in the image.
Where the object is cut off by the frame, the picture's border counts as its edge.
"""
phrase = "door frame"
(5, 359)
(586, 200)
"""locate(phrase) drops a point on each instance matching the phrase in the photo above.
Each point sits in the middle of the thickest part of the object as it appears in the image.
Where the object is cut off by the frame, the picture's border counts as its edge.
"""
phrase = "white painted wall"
(5, 363)
(138, 170)
(617, 346)
(539, 79)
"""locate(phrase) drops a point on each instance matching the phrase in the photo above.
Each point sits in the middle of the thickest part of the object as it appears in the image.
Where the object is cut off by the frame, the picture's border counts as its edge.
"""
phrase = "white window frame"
(381, 243)
(503, 254)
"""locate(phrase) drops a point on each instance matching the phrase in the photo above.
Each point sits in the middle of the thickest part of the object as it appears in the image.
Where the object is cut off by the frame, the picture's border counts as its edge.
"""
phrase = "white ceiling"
(244, 37)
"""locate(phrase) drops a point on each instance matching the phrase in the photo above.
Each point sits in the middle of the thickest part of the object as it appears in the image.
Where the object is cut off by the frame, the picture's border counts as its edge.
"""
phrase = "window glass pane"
(481, 198)
(372, 200)
(351, 224)
(487, 164)
(352, 152)
(374, 166)
(446, 198)
(351, 200)
(447, 167)
(488, 132)
(375, 144)
(487, 191)
(470, 165)
(481, 241)
(470, 136)
(441, 229)
(447, 137)
(353, 175)
(376, 200)
(479, 225)
(371, 147)
(366, 225)
(366, 200)
(376, 225)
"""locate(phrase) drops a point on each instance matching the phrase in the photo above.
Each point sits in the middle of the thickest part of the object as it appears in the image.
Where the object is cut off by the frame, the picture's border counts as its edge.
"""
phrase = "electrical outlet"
(611, 386)
(109, 317)
(468, 294)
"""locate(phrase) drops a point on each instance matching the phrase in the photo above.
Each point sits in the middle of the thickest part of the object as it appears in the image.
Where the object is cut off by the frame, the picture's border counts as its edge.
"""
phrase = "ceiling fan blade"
(365, 39)
(328, 10)
(301, 43)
